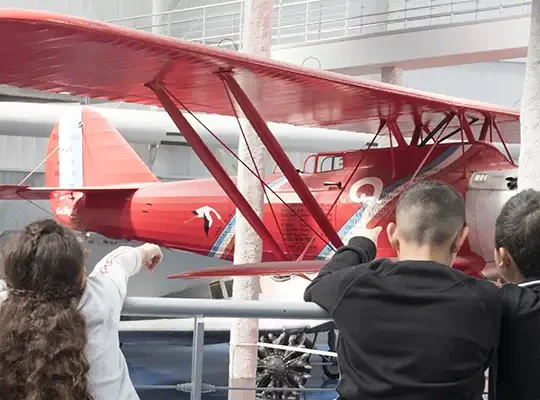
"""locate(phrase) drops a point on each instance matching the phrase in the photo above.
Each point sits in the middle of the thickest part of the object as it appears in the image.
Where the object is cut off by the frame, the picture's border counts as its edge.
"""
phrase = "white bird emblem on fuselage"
(205, 213)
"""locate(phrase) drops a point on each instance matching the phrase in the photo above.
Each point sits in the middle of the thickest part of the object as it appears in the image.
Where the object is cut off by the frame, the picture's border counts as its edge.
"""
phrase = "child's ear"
(503, 259)
(391, 231)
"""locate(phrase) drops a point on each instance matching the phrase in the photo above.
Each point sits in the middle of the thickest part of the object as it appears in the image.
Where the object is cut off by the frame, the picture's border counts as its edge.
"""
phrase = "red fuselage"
(197, 216)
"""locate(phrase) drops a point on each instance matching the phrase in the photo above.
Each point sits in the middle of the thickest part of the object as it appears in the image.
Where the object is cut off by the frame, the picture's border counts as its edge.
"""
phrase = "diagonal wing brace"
(277, 152)
(220, 175)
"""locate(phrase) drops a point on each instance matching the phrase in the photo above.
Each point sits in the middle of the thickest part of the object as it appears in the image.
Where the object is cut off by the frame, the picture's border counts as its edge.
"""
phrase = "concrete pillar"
(392, 75)
(159, 22)
(529, 164)
(257, 39)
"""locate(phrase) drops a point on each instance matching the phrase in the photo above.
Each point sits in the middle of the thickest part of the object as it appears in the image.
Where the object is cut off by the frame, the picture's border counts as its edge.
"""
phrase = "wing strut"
(502, 141)
(277, 152)
(217, 171)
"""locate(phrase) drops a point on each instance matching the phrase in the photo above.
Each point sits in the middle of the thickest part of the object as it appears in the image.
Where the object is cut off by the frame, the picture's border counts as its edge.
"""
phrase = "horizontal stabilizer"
(262, 269)
(287, 268)
(22, 192)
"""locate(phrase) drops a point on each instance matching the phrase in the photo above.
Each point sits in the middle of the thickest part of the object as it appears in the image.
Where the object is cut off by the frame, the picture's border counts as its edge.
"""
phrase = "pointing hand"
(151, 255)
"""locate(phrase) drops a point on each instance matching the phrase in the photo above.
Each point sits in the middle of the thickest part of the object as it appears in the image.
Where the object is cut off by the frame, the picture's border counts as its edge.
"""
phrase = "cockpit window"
(330, 163)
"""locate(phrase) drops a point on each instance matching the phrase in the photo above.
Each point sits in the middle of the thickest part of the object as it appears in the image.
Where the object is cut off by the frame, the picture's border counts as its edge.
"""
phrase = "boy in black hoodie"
(414, 329)
(517, 254)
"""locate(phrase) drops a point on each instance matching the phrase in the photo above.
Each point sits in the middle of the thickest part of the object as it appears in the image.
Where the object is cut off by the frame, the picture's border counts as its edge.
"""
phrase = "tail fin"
(86, 150)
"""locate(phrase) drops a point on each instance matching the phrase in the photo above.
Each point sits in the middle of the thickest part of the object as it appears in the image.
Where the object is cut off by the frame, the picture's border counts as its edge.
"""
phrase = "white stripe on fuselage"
(70, 143)
(285, 197)
(227, 234)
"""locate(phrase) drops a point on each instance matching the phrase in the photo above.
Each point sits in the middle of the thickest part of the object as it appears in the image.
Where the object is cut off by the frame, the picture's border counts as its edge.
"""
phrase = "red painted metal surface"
(61, 53)
(277, 268)
(217, 171)
(277, 152)
(263, 269)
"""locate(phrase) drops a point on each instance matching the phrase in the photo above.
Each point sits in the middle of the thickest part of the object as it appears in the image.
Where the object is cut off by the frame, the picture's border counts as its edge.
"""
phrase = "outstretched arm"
(118, 266)
(333, 279)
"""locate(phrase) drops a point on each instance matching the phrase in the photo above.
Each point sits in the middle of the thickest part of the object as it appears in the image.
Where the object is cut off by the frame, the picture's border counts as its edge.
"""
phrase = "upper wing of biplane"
(67, 54)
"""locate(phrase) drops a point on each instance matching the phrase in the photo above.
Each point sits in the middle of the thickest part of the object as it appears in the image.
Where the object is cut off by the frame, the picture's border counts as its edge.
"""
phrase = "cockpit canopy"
(323, 162)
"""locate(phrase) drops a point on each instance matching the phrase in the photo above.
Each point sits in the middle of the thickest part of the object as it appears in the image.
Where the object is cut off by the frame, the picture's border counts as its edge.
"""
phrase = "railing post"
(197, 353)
(278, 22)
(362, 16)
(241, 30)
(306, 26)
(204, 25)
(346, 17)
(169, 23)
(320, 20)
(404, 22)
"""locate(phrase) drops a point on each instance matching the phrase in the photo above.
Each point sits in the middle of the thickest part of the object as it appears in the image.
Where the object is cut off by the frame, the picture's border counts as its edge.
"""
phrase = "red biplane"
(97, 183)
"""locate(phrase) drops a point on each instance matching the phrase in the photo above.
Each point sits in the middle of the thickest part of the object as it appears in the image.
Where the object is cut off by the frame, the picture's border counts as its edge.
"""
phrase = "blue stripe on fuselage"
(232, 224)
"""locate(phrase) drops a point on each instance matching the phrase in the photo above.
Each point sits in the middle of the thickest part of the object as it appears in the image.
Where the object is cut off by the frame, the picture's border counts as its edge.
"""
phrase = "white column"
(257, 39)
(159, 22)
(392, 75)
(529, 161)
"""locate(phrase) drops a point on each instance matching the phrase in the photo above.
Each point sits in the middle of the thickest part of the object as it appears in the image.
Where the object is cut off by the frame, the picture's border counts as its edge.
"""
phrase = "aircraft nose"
(486, 194)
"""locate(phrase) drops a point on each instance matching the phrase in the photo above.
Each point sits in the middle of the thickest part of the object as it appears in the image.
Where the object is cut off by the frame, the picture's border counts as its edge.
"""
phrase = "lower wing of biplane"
(300, 268)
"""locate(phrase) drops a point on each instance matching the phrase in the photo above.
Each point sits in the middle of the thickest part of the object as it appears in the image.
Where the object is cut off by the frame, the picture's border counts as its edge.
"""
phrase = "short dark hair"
(430, 212)
(517, 229)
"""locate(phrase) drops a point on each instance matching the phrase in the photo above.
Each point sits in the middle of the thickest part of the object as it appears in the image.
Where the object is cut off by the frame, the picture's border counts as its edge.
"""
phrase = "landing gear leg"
(283, 368)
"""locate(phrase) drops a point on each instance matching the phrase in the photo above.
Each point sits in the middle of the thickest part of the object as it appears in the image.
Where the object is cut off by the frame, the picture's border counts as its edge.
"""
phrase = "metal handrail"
(207, 26)
(177, 307)
(116, 20)
(201, 308)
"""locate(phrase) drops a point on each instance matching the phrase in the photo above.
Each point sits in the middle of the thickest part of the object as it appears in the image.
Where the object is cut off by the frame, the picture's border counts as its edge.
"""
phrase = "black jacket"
(410, 330)
(519, 353)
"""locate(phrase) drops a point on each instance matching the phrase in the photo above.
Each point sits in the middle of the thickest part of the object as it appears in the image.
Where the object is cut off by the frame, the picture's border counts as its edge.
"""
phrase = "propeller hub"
(276, 366)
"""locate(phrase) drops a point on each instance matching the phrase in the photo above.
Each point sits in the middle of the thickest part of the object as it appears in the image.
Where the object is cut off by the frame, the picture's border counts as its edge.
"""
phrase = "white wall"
(21, 154)
(493, 82)
(498, 82)
(15, 214)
